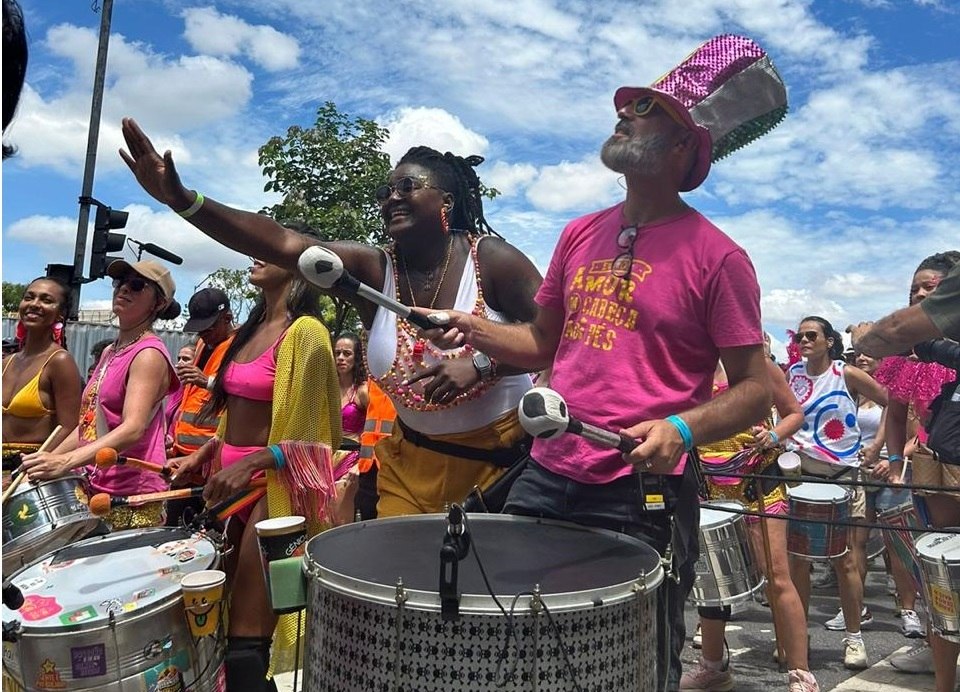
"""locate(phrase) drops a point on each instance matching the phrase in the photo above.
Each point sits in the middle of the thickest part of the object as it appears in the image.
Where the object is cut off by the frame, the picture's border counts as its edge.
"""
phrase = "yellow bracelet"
(193, 208)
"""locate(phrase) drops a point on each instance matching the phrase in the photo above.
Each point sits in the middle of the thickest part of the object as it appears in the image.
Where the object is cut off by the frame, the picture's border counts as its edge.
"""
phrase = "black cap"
(205, 306)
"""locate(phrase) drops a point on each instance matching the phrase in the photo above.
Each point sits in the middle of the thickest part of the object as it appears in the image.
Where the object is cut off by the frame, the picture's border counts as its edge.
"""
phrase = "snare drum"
(107, 614)
(42, 517)
(823, 502)
(726, 571)
(375, 623)
(939, 558)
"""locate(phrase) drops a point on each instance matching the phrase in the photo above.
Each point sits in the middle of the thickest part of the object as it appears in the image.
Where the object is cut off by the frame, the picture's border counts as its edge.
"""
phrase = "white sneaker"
(919, 659)
(706, 679)
(854, 654)
(839, 624)
(910, 625)
(802, 681)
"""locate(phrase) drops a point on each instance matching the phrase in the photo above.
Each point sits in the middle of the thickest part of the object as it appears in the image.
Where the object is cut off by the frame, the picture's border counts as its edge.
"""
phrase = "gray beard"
(639, 154)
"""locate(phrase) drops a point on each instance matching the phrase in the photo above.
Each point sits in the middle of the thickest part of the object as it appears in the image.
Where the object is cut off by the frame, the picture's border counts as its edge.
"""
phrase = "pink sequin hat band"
(727, 91)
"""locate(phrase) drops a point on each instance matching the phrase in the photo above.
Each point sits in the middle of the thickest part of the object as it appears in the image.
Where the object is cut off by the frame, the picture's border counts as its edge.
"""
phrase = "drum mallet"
(15, 483)
(108, 456)
(543, 414)
(102, 503)
(324, 268)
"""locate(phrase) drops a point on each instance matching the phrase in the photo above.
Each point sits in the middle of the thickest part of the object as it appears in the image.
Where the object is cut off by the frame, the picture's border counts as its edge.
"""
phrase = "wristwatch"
(483, 364)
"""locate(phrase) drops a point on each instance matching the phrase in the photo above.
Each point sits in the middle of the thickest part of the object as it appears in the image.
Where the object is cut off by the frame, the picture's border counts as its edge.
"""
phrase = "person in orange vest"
(212, 319)
(378, 425)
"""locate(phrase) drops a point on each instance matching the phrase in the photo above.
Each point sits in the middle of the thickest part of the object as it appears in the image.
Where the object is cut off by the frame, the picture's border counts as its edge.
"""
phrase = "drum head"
(939, 547)
(118, 574)
(819, 492)
(517, 553)
(713, 514)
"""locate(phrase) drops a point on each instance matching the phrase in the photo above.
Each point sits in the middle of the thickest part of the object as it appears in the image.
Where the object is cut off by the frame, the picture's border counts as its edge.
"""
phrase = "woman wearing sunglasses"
(457, 421)
(122, 404)
(829, 445)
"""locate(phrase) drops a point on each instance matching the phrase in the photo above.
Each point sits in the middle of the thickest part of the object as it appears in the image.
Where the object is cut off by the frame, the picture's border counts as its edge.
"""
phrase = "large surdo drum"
(375, 620)
(939, 557)
(107, 614)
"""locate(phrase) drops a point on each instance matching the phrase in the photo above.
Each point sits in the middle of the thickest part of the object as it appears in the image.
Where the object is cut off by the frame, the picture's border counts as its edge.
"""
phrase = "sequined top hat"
(727, 91)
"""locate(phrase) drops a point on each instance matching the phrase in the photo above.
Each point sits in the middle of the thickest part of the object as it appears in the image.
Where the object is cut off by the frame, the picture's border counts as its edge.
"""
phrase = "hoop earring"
(444, 220)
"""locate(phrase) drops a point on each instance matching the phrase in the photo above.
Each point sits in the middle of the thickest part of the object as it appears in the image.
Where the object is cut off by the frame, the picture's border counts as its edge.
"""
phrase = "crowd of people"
(647, 322)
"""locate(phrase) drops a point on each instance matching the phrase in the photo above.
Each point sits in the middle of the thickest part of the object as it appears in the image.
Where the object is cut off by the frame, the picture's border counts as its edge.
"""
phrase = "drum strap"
(504, 458)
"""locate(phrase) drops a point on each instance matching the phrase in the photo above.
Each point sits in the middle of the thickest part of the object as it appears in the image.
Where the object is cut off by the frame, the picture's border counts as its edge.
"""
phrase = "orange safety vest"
(379, 424)
(189, 433)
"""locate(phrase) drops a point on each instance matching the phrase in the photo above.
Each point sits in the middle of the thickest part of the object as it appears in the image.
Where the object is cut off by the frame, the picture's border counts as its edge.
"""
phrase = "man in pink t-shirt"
(638, 304)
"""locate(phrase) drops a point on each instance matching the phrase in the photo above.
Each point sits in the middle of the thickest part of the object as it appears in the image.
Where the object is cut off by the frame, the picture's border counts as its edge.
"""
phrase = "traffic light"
(104, 241)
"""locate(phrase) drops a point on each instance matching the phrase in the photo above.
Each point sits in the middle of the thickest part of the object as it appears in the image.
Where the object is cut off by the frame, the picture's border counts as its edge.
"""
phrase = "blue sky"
(836, 207)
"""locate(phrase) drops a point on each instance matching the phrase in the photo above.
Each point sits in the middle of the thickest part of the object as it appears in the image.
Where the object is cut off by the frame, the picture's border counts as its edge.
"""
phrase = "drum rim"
(482, 603)
(940, 557)
(103, 620)
(713, 504)
(792, 494)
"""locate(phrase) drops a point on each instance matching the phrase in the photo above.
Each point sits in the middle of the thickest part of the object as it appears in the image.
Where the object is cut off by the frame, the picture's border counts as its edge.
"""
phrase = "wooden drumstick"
(102, 503)
(108, 456)
(768, 558)
(15, 483)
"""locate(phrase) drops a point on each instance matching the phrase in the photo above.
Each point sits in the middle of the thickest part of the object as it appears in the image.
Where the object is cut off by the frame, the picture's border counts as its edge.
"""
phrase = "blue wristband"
(893, 458)
(774, 438)
(278, 459)
(683, 429)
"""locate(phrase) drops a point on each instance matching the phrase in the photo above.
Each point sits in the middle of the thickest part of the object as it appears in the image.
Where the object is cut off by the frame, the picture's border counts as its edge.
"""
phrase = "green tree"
(327, 175)
(12, 294)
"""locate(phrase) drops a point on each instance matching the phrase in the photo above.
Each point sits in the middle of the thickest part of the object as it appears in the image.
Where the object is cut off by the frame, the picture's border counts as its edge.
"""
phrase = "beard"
(642, 154)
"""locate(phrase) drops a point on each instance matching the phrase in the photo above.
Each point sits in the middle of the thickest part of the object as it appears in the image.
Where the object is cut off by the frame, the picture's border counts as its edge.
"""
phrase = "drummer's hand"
(660, 446)
(762, 439)
(44, 466)
(881, 470)
(191, 464)
(453, 334)
(446, 379)
(158, 176)
(229, 481)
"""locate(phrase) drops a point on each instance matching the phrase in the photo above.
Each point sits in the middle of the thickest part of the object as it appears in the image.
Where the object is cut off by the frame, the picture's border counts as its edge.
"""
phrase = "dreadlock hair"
(455, 174)
(302, 301)
(836, 351)
(942, 262)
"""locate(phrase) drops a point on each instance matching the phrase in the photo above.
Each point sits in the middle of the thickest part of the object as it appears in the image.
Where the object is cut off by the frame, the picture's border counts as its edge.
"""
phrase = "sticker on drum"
(939, 557)
(598, 586)
(116, 604)
(824, 504)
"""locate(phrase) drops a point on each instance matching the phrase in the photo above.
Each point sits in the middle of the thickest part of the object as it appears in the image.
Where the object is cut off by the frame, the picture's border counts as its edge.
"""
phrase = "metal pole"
(93, 138)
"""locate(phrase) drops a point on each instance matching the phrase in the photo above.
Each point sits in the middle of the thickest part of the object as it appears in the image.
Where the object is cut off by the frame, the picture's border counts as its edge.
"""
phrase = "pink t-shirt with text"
(644, 348)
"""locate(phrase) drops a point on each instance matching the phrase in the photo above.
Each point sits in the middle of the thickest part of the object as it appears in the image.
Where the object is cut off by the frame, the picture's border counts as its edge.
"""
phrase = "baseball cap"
(205, 306)
(148, 269)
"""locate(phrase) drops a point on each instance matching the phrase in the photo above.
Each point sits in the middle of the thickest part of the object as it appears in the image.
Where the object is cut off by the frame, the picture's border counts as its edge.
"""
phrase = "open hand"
(157, 175)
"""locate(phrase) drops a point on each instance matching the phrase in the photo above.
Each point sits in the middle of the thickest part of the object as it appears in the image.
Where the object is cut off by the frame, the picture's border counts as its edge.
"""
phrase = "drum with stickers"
(727, 572)
(821, 538)
(578, 608)
(42, 517)
(107, 614)
(939, 558)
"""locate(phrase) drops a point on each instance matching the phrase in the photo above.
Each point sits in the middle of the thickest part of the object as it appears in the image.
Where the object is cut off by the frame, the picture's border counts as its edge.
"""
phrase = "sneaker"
(919, 659)
(854, 654)
(910, 625)
(825, 580)
(707, 679)
(802, 681)
(698, 639)
(839, 624)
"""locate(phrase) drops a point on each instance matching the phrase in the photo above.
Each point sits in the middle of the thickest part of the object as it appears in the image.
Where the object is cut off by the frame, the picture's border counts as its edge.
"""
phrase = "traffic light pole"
(93, 138)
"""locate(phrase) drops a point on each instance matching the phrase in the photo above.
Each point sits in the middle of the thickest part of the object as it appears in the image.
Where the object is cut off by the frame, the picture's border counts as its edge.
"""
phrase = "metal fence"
(81, 336)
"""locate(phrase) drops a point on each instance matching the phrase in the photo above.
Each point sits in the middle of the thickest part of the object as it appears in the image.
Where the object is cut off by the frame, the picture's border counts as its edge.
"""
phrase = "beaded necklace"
(91, 397)
(421, 344)
(411, 351)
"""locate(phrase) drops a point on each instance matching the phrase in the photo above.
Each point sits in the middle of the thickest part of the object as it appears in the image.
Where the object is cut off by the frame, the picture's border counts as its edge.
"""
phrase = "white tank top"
(392, 356)
(830, 430)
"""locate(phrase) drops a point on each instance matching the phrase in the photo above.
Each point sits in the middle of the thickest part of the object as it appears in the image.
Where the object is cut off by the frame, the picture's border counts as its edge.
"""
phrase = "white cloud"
(509, 178)
(788, 306)
(574, 185)
(431, 127)
(213, 33)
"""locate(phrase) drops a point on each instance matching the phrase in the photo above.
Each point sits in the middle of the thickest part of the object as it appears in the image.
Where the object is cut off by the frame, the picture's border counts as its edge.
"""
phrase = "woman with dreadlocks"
(457, 423)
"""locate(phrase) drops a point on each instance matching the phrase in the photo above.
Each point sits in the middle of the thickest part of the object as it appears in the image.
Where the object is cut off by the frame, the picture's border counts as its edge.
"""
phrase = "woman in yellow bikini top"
(41, 382)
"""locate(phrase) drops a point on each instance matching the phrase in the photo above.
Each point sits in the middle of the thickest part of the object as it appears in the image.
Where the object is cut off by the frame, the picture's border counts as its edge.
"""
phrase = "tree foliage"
(327, 175)
(12, 294)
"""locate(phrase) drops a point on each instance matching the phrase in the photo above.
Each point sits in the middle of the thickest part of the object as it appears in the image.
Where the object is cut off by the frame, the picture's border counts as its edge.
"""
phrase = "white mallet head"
(543, 413)
(320, 266)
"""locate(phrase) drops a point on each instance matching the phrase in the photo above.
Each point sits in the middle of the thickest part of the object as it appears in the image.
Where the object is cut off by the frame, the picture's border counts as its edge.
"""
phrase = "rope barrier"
(833, 481)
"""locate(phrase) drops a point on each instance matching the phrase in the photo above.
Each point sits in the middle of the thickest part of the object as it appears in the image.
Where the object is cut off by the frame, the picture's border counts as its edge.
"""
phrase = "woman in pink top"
(122, 404)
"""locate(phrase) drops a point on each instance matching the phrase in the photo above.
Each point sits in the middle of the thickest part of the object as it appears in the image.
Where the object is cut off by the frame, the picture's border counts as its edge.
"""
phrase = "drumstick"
(765, 535)
(16, 481)
(324, 268)
(102, 503)
(108, 456)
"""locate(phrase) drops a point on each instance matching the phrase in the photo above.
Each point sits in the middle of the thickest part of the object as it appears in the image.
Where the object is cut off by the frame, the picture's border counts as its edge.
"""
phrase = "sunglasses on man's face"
(134, 283)
(643, 106)
(809, 336)
(404, 187)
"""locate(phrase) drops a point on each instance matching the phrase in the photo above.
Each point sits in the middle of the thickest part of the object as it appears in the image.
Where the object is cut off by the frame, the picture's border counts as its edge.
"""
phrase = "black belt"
(503, 458)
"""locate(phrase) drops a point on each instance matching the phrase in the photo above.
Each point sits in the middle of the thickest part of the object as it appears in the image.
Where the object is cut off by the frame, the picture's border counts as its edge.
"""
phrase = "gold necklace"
(443, 274)
(117, 348)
